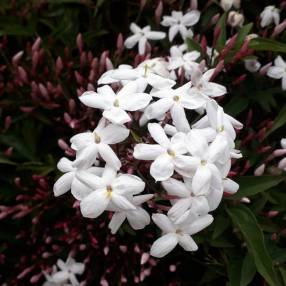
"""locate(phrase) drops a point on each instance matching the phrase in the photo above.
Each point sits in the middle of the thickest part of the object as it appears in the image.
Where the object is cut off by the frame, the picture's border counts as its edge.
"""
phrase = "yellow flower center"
(203, 162)
(179, 231)
(97, 138)
(171, 153)
(176, 98)
(116, 103)
(220, 129)
(108, 191)
(146, 67)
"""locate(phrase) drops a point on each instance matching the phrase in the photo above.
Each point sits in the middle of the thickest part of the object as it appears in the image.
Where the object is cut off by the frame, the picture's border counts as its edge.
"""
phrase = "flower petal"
(158, 108)
(121, 202)
(63, 184)
(128, 184)
(179, 118)
(162, 168)
(163, 222)
(92, 99)
(179, 208)
(191, 18)
(163, 245)
(199, 224)
(187, 242)
(79, 190)
(113, 134)
(117, 219)
(173, 31)
(142, 45)
(158, 134)
(138, 218)
(201, 181)
(92, 181)
(94, 204)
(81, 140)
(147, 151)
(131, 41)
(176, 188)
(109, 156)
(116, 115)
(65, 165)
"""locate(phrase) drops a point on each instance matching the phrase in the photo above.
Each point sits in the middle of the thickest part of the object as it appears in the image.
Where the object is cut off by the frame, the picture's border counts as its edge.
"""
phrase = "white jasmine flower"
(116, 105)
(69, 181)
(66, 274)
(221, 122)
(283, 143)
(141, 36)
(167, 154)
(252, 65)
(178, 23)
(212, 54)
(137, 218)
(152, 72)
(91, 145)
(202, 85)
(175, 100)
(235, 19)
(181, 61)
(230, 186)
(109, 191)
(227, 4)
(269, 15)
(174, 234)
(187, 203)
(278, 71)
(206, 173)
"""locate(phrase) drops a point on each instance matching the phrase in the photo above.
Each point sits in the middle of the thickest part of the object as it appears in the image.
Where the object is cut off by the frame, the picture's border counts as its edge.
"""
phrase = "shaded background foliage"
(40, 111)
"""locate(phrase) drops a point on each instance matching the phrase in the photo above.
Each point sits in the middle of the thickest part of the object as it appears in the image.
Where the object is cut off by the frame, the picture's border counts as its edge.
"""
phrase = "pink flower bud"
(260, 170)
(120, 43)
(264, 69)
(23, 74)
(36, 44)
(59, 65)
(16, 58)
(279, 29)
(158, 12)
(79, 42)
(194, 4)
(144, 258)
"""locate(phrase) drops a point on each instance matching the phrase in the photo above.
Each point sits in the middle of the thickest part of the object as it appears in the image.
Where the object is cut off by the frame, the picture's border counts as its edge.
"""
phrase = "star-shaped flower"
(141, 36)
(179, 23)
(89, 145)
(116, 105)
(108, 191)
(167, 154)
(137, 218)
(174, 234)
(278, 71)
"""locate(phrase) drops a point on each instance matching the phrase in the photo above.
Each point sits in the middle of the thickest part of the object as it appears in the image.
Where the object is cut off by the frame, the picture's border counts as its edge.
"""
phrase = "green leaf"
(241, 35)
(222, 36)
(5, 161)
(262, 44)
(248, 270)
(247, 223)
(192, 45)
(252, 185)
(279, 121)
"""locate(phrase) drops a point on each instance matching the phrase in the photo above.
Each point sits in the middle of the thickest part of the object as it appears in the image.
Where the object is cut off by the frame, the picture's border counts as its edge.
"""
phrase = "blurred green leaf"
(193, 46)
(247, 223)
(279, 121)
(248, 270)
(222, 36)
(262, 44)
(252, 185)
(241, 35)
